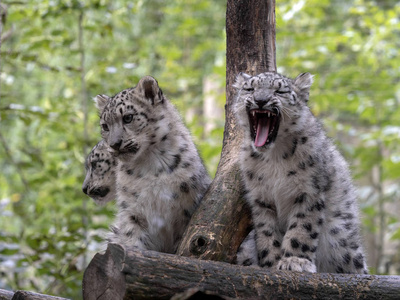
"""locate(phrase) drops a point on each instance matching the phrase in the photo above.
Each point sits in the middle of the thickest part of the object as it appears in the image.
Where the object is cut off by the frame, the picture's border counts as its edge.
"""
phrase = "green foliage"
(49, 229)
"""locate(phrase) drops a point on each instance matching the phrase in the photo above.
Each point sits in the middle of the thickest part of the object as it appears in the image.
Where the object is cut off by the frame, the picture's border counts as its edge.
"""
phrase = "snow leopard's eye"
(127, 118)
(250, 89)
(281, 92)
(105, 127)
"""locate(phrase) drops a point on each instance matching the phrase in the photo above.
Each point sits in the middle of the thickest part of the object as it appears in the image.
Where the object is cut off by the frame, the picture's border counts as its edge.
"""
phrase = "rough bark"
(25, 295)
(147, 278)
(6, 295)
(223, 220)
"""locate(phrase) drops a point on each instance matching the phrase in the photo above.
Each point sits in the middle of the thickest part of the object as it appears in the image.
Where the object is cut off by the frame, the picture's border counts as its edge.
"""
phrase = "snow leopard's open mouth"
(264, 125)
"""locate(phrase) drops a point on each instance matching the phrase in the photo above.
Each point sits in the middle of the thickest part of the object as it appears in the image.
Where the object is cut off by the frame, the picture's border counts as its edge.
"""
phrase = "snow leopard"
(160, 177)
(298, 185)
(99, 183)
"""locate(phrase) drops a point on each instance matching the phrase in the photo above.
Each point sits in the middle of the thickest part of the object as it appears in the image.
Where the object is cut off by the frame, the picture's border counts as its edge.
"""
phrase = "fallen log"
(133, 274)
(26, 295)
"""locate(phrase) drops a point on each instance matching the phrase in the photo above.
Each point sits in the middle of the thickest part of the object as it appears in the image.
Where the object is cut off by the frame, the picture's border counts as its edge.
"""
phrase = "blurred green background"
(56, 55)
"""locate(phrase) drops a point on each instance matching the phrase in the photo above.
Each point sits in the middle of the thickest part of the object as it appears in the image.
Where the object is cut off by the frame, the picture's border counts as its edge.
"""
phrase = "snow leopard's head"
(133, 120)
(267, 101)
(99, 183)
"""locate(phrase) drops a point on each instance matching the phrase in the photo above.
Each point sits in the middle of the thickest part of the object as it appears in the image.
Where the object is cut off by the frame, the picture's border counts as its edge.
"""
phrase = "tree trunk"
(153, 275)
(223, 220)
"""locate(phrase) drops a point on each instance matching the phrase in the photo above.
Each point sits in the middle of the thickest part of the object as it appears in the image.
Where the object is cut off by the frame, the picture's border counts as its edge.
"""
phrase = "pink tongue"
(262, 132)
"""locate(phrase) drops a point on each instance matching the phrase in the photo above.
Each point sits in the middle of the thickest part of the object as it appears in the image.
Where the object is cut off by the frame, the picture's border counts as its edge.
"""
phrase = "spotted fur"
(100, 167)
(298, 185)
(160, 177)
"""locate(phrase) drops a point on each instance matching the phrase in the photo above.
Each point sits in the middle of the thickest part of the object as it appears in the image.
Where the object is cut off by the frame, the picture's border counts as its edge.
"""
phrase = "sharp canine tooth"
(269, 114)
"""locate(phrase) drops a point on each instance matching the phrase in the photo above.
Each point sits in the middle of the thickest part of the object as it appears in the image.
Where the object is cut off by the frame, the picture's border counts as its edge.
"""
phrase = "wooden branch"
(6, 295)
(25, 295)
(223, 219)
(149, 274)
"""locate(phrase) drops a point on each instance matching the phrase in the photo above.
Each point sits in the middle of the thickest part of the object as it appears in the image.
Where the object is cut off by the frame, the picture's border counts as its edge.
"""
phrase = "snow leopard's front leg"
(268, 238)
(301, 239)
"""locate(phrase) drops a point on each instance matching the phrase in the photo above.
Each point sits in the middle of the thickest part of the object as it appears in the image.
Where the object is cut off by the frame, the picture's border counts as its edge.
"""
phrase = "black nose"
(84, 189)
(116, 145)
(260, 103)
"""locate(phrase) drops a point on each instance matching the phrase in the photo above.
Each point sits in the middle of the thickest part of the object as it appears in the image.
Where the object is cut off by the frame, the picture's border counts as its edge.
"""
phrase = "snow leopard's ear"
(240, 79)
(148, 87)
(302, 85)
(101, 102)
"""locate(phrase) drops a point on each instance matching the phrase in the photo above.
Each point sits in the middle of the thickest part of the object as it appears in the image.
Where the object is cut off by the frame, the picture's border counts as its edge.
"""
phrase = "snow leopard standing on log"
(298, 185)
(160, 177)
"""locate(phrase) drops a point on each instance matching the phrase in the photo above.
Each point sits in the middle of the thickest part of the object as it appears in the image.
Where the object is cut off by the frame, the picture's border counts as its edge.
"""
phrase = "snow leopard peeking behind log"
(160, 177)
(298, 185)
(99, 183)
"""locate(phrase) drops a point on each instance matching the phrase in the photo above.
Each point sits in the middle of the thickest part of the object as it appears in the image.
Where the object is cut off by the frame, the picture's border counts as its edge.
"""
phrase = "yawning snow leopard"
(100, 167)
(299, 187)
(160, 177)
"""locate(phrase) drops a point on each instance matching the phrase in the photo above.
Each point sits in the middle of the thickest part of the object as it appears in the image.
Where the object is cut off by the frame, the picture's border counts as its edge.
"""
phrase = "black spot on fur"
(164, 137)
(185, 165)
(300, 199)
(294, 146)
(305, 248)
(276, 243)
(267, 233)
(346, 258)
(307, 226)
(294, 225)
(267, 264)
(316, 182)
(294, 243)
(339, 270)
(247, 262)
(300, 216)
(358, 261)
(263, 254)
(314, 235)
(184, 187)
(291, 173)
(320, 221)
(354, 246)
(175, 164)
(129, 172)
(250, 175)
(302, 165)
(304, 140)
(313, 249)
(263, 204)
(310, 161)
(259, 225)
(334, 231)
(320, 205)
(288, 254)
(348, 225)
(123, 205)
(343, 242)
(285, 155)
(346, 216)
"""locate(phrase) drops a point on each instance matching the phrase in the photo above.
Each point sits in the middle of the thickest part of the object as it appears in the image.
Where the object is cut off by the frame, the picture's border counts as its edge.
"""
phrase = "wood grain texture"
(153, 275)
